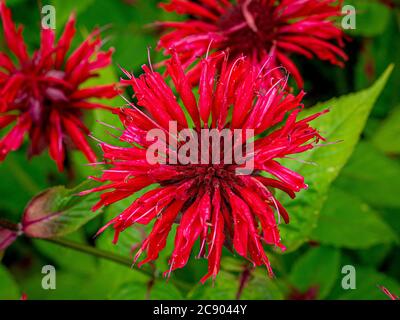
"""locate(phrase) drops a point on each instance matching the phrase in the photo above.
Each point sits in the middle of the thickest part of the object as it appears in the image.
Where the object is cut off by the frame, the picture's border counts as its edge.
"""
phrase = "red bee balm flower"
(40, 94)
(209, 200)
(256, 28)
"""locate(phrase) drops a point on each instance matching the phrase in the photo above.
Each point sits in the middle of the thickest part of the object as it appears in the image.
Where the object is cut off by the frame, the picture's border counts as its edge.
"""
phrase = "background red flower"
(258, 29)
(41, 94)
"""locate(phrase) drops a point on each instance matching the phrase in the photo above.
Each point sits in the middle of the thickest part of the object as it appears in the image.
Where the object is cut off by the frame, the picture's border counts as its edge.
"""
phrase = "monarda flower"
(210, 201)
(257, 29)
(41, 94)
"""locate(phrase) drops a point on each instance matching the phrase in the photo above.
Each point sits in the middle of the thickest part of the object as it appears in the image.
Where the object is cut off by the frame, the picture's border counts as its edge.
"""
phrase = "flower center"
(249, 26)
(211, 156)
(40, 93)
(208, 176)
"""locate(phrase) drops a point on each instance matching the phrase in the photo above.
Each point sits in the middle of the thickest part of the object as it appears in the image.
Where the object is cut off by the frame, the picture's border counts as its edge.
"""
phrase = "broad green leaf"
(163, 290)
(372, 176)
(106, 281)
(345, 221)
(232, 263)
(318, 268)
(387, 136)
(129, 240)
(8, 287)
(66, 258)
(124, 282)
(109, 273)
(224, 288)
(160, 290)
(345, 122)
(375, 256)
(392, 218)
(367, 282)
(262, 287)
(69, 286)
(58, 211)
(130, 291)
(114, 275)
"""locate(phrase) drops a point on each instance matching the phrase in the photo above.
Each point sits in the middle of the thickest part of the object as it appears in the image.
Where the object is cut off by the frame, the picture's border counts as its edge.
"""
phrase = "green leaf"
(386, 138)
(347, 222)
(109, 274)
(261, 287)
(372, 176)
(58, 211)
(318, 268)
(130, 291)
(375, 256)
(8, 287)
(62, 256)
(163, 290)
(367, 282)
(160, 290)
(366, 12)
(345, 121)
(224, 288)
(69, 286)
(131, 239)
(392, 217)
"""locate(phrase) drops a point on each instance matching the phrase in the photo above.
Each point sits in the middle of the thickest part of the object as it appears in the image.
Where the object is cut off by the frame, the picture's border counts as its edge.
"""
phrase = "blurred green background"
(356, 213)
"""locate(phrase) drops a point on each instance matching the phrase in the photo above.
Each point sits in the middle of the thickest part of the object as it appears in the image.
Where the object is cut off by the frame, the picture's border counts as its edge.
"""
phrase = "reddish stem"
(243, 281)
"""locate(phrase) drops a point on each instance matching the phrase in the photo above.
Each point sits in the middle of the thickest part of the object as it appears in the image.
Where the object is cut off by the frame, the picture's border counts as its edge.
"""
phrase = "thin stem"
(244, 279)
(9, 225)
(111, 257)
(96, 252)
